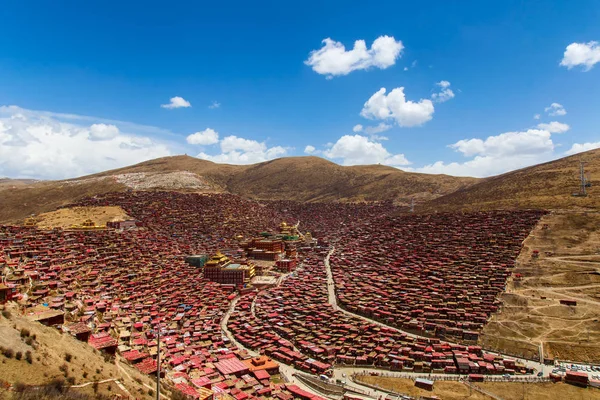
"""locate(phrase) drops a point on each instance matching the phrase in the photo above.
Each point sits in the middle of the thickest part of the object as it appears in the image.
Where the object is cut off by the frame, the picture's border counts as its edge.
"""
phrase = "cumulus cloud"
(445, 93)
(497, 154)
(581, 147)
(103, 132)
(214, 105)
(333, 59)
(360, 150)
(394, 106)
(372, 131)
(40, 145)
(203, 138)
(554, 127)
(237, 150)
(309, 149)
(555, 110)
(177, 102)
(581, 54)
(536, 116)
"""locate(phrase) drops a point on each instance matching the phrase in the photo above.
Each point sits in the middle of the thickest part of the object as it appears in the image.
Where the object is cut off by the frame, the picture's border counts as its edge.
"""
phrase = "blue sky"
(82, 83)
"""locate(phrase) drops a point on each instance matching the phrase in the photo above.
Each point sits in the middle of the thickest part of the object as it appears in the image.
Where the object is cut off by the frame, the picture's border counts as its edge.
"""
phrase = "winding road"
(344, 372)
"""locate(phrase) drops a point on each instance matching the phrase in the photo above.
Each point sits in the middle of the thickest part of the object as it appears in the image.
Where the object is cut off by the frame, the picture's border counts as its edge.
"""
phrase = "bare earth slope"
(315, 179)
(548, 185)
(20, 202)
(293, 178)
(307, 179)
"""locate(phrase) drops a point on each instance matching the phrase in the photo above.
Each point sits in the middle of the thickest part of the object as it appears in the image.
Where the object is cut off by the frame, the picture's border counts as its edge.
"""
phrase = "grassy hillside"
(41, 362)
(548, 185)
(294, 178)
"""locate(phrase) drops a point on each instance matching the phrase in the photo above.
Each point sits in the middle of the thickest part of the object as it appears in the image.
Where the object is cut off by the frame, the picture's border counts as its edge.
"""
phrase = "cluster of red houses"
(438, 274)
(116, 288)
(295, 324)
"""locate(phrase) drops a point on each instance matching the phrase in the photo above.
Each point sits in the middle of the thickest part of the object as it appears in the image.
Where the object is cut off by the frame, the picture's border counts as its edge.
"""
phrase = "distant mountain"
(308, 179)
(549, 185)
(313, 179)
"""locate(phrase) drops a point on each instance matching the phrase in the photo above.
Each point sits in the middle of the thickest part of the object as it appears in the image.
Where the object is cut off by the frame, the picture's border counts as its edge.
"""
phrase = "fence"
(440, 377)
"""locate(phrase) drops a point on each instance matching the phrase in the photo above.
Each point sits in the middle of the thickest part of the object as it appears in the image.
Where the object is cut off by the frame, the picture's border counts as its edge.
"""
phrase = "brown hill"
(549, 185)
(295, 178)
(315, 179)
(36, 355)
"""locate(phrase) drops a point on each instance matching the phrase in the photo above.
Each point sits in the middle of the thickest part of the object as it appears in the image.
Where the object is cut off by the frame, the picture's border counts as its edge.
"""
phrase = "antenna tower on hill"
(584, 180)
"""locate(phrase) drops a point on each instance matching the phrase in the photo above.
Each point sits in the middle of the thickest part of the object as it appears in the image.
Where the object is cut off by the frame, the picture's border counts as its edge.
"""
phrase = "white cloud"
(536, 116)
(556, 110)
(372, 131)
(497, 154)
(395, 106)
(309, 149)
(584, 54)
(382, 127)
(203, 138)
(236, 150)
(554, 127)
(360, 150)
(581, 147)
(333, 59)
(103, 132)
(445, 94)
(532, 141)
(214, 105)
(37, 144)
(177, 102)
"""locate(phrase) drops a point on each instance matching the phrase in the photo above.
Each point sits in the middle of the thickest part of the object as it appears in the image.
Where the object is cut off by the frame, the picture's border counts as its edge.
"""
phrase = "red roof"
(231, 366)
(261, 374)
(299, 392)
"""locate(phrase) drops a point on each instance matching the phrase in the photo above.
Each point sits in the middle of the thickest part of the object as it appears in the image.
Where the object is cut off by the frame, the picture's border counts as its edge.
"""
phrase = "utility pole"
(412, 205)
(158, 363)
(582, 177)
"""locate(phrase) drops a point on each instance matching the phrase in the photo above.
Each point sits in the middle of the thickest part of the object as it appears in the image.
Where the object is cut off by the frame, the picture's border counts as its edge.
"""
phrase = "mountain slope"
(293, 178)
(547, 185)
(315, 179)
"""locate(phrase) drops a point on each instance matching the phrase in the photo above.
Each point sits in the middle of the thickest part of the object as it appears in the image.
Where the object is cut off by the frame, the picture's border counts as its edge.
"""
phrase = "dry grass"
(49, 361)
(65, 217)
(509, 391)
(21, 202)
(443, 389)
(547, 185)
(567, 268)
(292, 178)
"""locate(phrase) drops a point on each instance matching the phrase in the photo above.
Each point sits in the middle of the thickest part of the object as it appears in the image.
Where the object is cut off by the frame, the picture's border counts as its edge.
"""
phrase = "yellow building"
(220, 269)
(88, 225)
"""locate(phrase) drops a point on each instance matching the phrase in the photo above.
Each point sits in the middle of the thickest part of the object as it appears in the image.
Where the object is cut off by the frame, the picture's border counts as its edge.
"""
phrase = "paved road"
(339, 372)
(286, 370)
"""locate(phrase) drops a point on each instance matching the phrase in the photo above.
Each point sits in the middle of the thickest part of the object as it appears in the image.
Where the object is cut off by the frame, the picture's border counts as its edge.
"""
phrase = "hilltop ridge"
(312, 179)
(548, 185)
(306, 179)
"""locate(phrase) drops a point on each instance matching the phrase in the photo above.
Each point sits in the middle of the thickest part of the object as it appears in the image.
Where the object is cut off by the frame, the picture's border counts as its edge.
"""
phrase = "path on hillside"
(129, 376)
(344, 372)
(116, 381)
